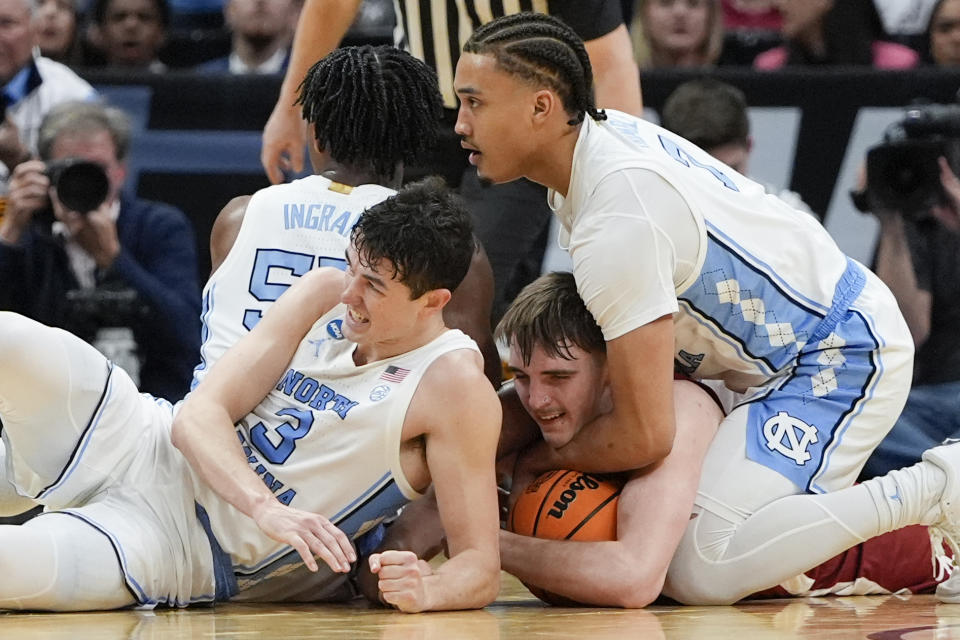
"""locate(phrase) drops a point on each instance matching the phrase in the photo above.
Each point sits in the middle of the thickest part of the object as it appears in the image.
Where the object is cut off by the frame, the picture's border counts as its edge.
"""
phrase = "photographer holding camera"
(913, 190)
(77, 253)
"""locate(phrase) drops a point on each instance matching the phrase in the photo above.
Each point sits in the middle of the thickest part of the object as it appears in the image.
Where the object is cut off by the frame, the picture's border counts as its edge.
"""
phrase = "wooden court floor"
(516, 615)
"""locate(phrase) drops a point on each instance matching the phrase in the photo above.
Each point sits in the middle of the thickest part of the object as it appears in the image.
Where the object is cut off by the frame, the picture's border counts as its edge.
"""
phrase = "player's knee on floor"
(696, 578)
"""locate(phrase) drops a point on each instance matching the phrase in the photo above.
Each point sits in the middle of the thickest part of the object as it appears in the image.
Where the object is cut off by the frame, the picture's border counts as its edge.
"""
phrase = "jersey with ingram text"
(326, 439)
(287, 230)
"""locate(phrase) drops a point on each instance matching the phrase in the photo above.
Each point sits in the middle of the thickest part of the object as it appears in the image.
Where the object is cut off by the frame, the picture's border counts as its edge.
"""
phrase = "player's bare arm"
(419, 529)
(204, 428)
(640, 429)
(226, 228)
(616, 77)
(653, 512)
(320, 28)
(460, 440)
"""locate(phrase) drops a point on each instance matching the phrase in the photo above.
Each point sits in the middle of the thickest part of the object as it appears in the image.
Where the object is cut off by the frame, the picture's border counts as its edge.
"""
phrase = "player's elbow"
(489, 591)
(634, 586)
(180, 430)
(651, 445)
(178, 434)
(636, 596)
(661, 447)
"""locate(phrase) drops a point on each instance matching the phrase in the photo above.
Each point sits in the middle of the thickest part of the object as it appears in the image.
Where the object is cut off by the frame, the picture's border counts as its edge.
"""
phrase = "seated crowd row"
(254, 36)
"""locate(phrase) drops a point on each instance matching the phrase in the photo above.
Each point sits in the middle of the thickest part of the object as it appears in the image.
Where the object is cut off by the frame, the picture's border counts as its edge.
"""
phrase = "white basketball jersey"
(287, 230)
(765, 274)
(326, 439)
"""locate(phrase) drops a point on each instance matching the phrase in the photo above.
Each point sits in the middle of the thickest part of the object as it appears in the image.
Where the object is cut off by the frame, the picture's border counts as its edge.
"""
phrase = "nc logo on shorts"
(379, 392)
(333, 328)
(789, 436)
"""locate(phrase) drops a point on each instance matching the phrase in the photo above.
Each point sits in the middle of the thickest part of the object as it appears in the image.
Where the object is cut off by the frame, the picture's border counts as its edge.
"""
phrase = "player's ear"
(545, 103)
(437, 299)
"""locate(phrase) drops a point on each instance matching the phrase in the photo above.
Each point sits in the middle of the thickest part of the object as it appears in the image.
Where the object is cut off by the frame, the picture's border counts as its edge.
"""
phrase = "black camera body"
(902, 172)
(82, 185)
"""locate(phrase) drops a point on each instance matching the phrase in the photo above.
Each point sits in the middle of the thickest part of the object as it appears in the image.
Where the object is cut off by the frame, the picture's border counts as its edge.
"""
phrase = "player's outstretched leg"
(731, 550)
(57, 562)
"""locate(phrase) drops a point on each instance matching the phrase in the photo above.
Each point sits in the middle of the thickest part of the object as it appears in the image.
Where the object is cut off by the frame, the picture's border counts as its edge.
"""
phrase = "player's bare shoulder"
(454, 394)
(226, 228)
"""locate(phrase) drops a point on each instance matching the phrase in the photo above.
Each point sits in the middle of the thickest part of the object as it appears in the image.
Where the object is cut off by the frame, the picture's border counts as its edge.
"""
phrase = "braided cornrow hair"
(372, 106)
(543, 50)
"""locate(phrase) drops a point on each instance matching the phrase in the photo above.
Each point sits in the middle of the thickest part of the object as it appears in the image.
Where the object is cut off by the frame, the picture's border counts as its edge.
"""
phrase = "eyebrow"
(549, 372)
(380, 282)
(375, 280)
(466, 90)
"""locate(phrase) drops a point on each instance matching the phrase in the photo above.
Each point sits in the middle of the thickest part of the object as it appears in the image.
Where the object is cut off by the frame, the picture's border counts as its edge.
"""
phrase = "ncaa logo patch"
(333, 328)
(379, 392)
(789, 436)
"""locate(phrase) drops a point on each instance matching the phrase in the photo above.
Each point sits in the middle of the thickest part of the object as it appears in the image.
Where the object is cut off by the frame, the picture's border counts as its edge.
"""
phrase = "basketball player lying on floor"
(557, 354)
(358, 424)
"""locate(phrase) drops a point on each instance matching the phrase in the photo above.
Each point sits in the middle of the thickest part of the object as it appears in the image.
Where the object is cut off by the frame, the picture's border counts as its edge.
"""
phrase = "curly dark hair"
(549, 313)
(545, 51)
(425, 233)
(375, 106)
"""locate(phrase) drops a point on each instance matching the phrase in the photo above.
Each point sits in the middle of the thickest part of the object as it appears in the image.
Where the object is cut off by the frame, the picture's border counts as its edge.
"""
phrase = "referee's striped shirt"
(435, 30)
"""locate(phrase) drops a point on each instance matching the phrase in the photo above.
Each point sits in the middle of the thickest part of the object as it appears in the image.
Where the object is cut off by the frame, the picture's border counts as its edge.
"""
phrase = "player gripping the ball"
(557, 355)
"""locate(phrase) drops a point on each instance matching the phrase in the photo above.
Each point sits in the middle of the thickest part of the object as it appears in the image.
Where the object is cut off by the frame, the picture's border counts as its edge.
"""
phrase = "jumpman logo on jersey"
(316, 346)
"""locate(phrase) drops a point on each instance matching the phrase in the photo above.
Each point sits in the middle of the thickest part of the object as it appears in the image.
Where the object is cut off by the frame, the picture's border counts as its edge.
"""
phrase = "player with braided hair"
(542, 51)
(435, 31)
(685, 263)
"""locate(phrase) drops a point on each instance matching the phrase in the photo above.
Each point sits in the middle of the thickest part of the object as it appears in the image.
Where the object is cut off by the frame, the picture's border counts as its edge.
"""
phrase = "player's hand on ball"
(312, 535)
(401, 576)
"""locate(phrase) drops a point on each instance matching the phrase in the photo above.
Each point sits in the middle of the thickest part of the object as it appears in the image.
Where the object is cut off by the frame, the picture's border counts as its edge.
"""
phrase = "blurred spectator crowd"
(254, 36)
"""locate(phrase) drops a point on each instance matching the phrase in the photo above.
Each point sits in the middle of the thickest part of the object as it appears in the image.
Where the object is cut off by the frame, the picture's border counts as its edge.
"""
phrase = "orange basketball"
(566, 505)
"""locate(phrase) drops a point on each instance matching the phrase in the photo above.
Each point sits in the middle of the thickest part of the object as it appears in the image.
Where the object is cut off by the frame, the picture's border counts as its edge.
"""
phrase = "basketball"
(566, 505)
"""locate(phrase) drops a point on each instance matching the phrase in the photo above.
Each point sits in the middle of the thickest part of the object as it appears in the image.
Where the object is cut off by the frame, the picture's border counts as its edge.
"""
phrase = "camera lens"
(81, 185)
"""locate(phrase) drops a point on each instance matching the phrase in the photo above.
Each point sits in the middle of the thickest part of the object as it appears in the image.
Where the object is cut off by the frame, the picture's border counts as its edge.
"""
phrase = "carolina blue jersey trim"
(766, 272)
(225, 580)
(733, 340)
(341, 520)
(367, 496)
(866, 393)
(204, 334)
(85, 436)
